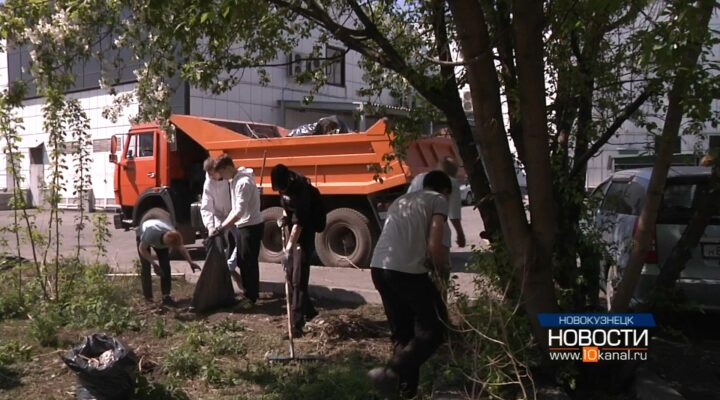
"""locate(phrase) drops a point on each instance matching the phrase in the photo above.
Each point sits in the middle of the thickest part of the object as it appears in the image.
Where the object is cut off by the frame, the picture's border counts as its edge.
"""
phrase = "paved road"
(340, 283)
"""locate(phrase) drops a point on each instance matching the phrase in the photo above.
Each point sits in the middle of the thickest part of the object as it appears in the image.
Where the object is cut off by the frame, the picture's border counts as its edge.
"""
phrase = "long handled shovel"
(287, 267)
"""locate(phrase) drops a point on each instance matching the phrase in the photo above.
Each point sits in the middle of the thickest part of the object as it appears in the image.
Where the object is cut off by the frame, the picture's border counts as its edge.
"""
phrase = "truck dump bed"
(340, 164)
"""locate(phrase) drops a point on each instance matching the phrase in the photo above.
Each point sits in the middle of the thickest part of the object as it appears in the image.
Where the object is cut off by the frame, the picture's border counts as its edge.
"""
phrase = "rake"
(287, 267)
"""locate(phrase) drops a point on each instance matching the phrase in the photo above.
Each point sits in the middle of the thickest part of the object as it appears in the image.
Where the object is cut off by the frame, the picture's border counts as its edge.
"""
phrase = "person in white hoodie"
(215, 206)
(246, 217)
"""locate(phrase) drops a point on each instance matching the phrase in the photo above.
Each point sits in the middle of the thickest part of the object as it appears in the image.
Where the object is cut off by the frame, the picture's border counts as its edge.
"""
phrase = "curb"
(354, 296)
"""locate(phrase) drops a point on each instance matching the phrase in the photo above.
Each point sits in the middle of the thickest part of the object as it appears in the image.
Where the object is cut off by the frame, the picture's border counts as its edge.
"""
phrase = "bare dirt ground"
(688, 356)
(343, 335)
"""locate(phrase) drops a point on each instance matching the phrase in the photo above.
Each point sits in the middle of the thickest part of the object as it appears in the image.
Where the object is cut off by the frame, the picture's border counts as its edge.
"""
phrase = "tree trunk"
(460, 128)
(648, 216)
(528, 28)
(528, 259)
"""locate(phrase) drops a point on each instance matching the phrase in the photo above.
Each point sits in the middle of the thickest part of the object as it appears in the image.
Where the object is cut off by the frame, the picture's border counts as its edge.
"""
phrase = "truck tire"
(346, 241)
(271, 245)
(156, 213)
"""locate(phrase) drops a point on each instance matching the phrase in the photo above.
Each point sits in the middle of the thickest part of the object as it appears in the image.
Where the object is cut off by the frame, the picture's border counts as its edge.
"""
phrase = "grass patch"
(343, 378)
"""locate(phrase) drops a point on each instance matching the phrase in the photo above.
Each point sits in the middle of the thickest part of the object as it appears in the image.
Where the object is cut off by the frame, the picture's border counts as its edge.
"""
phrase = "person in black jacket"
(304, 216)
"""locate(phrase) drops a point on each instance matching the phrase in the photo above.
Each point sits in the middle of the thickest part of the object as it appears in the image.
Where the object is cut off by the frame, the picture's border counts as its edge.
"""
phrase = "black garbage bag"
(330, 125)
(106, 368)
(214, 288)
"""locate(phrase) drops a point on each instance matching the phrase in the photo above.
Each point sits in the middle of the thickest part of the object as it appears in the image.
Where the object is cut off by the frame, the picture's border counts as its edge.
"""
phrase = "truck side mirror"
(113, 158)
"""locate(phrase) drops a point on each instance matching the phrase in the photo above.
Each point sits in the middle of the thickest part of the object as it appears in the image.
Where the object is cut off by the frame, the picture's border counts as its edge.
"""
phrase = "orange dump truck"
(155, 177)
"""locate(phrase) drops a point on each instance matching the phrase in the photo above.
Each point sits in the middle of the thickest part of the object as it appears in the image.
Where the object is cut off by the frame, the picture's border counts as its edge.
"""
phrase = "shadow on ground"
(689, 340)
(8, 378)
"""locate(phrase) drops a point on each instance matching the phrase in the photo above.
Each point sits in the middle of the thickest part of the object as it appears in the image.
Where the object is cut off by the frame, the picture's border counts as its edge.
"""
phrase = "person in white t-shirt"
(414, 243)
(450, 167)
(246, 217)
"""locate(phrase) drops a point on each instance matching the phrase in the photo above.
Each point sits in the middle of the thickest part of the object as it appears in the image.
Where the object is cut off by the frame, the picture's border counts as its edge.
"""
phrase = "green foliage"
(13, 351)
(491, 342)
(11, 305)
(202, 350)
(223, 344)
(95, 301)
(101, 234)
(229, 325)
(344, 380)
(184, 362)
(146, 390)
(18, 297)
(90, 301)
(159, 329)
(45, 325)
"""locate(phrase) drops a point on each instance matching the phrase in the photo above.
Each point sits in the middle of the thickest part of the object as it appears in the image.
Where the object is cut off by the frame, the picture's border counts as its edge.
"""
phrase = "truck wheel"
(156, 213)
(271, 245)
(346, 240)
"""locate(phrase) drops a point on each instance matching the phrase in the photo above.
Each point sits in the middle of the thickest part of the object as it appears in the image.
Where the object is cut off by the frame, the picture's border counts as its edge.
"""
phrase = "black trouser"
(163, 256)
(418, 321)
(300, 303)
(248, 240)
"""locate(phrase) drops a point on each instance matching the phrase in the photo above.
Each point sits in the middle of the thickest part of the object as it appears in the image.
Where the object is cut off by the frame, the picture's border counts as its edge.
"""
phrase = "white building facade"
(633, 146)
(280, 102)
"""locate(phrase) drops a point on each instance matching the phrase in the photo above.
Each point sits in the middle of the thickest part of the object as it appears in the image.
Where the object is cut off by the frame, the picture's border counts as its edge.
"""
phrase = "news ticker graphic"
(597, 337)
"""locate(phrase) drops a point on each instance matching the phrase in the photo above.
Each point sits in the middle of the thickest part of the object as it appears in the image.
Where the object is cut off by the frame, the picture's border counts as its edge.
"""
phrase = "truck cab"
(157, 178)
(159, 174)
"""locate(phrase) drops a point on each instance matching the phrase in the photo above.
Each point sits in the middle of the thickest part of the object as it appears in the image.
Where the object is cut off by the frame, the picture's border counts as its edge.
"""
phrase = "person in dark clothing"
(304, 217)
(413, 244)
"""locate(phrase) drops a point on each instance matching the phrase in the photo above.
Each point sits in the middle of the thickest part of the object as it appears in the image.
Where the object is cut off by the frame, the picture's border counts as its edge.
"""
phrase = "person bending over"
(161, 237)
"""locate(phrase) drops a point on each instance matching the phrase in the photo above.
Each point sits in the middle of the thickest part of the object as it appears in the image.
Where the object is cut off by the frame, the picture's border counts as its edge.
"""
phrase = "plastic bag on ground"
(106, 368)
(214, 288)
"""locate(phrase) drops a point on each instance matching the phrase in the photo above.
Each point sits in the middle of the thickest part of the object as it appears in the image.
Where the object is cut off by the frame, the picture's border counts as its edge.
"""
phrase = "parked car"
(620, 200)
(466, 194)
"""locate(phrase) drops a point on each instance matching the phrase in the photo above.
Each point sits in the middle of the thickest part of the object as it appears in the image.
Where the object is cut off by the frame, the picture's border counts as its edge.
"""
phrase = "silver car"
(621, 199)
(466, 194)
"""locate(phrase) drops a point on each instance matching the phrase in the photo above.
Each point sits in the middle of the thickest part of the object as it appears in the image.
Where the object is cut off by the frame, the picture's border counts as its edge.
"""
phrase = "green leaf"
(204, 17)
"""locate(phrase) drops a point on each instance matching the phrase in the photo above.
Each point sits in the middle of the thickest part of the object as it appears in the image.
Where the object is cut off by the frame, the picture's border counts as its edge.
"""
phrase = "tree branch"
(374, 33)
(451, 63)
(352, 38)
(629, 110)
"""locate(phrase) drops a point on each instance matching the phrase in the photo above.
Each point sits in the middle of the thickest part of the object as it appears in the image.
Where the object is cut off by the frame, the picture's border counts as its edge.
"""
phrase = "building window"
(335, 70)
(87, 72)
(676, 145)
(70, 148)
(19, 67)
(714, 142)
(101, 145)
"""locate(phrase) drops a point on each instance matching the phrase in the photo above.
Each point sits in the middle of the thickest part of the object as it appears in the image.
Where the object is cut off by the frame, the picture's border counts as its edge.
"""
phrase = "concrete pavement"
(343, 284)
